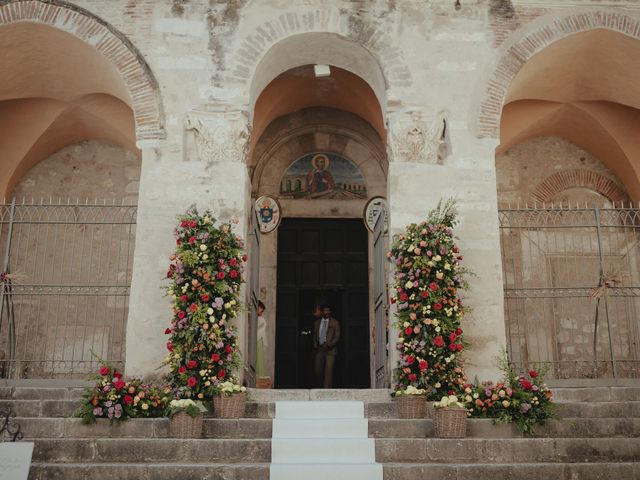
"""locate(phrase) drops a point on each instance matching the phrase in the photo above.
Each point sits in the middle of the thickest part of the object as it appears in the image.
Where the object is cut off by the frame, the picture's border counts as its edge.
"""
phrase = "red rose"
(453, 347)
(193, 307)
(118, 384)
(192, 240)
(184, 298)
(233, 262)
(423, 365)
(193, 224)
(533, 373)
(244, 258)
(191, 381)
(104, 371)
(526, 384)
(192, 364)
(182, 369)
(433, 286)
(410, 360)
(228, 349)
(452, 337)
(233, 273)
(215, 357)
(423, 294)
(438, 306)
(183, 223)
(412, 377)
(458, 331)
(221, 374)
(438, 341)
(408, 331)
(167, 331)
(178, 242)
(393, 299)
(181, 314)
(204, 297)
(404, 297)
(220, 275)
(117, 375)
(170, 346)
(128, 399)
(460, 347)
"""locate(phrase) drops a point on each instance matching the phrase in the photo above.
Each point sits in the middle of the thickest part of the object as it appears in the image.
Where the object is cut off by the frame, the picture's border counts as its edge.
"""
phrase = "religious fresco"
(323, 175)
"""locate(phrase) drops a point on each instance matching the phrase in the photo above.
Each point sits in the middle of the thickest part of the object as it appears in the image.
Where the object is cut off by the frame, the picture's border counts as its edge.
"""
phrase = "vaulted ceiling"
(583, 88)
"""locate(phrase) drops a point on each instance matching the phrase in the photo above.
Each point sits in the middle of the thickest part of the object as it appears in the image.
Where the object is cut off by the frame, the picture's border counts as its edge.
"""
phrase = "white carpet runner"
(322, 440)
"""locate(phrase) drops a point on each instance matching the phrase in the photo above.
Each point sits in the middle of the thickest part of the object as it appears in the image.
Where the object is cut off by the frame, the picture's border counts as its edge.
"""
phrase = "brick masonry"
(556, 183)
(135, 73)
(539, 37)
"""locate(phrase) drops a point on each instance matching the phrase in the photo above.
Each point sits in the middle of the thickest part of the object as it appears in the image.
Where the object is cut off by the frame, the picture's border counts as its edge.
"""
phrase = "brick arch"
(112, 44)
(556, 183)
(371, 36)
(547, 31)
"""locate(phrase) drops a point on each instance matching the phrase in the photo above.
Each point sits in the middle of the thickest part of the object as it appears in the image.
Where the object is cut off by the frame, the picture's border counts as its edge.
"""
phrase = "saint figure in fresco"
(319, 179)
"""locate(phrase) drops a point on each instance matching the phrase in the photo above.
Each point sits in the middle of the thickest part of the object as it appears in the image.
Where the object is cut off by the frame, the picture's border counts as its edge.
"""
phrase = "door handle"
(305, 332)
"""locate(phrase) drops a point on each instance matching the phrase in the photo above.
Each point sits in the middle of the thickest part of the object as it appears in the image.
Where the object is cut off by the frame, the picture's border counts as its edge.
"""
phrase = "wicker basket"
(450, 422)
(183, 425)
(411, 406)
(229, 406)
(264, 382)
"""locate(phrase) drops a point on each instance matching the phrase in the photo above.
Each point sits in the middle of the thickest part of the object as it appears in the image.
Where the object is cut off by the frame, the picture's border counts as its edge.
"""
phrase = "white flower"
(447, 266)
(205, 257)
(408, 285)
(209, 311)
(203, 247)
(437, 258)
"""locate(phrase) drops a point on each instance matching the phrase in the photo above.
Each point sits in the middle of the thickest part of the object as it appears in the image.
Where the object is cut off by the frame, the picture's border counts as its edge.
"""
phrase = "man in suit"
(326, 335)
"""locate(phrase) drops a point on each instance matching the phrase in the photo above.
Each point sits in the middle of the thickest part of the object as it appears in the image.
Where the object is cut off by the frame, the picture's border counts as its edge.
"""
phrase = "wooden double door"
(322, 261)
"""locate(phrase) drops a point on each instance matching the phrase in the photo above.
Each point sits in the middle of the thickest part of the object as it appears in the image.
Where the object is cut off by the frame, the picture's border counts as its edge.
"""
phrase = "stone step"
(622, 409)
(41, 393)
(555, 471)
(388, 450)
(146, 471)
(513, 450)
(41, 408)
(392, 471)
(378, 428)
(316, 427)
(153, 450)
(596, 394)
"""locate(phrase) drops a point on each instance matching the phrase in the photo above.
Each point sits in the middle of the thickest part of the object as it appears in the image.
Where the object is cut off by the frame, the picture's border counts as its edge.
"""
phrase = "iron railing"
(572, 290)
(65, 286)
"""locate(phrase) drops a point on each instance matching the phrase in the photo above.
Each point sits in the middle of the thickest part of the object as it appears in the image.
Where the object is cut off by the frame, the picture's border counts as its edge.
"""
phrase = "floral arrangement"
(523, 399)
(410, 390)
(206, 272)
(193, 409)
(450, 401)
(228, 388)
(114, 398)
(428, 278)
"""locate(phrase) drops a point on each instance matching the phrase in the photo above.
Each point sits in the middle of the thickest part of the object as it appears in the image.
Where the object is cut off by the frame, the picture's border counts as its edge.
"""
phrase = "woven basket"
(229, 406)
(264, 382)
(450, 422)
(411, 406)
(183, 425)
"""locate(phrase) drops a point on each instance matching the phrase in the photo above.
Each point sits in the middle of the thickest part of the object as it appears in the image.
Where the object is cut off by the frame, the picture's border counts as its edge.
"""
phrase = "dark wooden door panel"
(322, 261)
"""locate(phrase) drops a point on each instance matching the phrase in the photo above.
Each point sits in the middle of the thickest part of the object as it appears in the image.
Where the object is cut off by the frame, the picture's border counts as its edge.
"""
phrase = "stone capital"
(217, 134)
(416, 137)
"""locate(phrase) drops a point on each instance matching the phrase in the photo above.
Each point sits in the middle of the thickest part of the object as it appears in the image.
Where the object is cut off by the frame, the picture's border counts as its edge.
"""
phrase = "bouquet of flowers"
(206, 272)
(192, 408)
(410, 390)
(450, 401)
(229, 387)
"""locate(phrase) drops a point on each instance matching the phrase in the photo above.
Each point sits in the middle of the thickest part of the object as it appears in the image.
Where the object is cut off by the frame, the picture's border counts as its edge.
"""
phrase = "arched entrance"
(319, 150)
(568, 152)
(75, 100)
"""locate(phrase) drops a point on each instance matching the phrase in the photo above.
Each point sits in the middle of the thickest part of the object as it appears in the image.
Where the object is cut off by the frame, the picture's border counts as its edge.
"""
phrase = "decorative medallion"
(372, 210)
(268, 212)
(323, 175)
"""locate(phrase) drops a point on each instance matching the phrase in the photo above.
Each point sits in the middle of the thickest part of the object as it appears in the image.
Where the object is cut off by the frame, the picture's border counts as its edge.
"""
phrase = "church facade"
(295, 120)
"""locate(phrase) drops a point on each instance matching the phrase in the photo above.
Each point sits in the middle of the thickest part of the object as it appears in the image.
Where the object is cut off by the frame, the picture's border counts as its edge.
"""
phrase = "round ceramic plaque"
(268, 212)
(372, 211)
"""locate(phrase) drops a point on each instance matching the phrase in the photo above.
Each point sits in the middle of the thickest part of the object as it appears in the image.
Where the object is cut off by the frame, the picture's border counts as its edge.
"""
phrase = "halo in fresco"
(323, 175)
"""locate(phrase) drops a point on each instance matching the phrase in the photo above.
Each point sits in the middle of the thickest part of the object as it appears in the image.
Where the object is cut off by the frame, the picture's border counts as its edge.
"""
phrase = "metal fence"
(572, 290)
(65, 287)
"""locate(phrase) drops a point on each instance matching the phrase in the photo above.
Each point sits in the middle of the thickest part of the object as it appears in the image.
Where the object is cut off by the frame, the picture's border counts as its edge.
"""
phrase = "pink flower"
(191, 381)
(438, 341)
(433, 286)
(104, 371)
